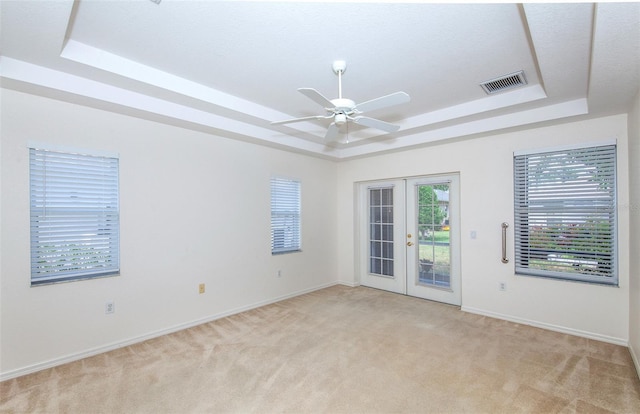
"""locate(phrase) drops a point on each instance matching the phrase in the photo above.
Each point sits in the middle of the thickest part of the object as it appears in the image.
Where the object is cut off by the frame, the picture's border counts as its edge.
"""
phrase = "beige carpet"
(342, 350)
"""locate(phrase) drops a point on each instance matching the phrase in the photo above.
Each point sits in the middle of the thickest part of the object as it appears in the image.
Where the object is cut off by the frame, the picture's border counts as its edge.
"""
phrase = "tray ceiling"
(232, 67)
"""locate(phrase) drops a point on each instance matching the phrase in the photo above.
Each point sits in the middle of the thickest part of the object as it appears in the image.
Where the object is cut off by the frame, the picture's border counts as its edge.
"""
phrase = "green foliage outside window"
(430, 213)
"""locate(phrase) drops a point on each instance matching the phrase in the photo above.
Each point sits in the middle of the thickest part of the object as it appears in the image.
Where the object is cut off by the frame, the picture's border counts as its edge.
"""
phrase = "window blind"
(74, 216)
(565, 214)
(285, 215)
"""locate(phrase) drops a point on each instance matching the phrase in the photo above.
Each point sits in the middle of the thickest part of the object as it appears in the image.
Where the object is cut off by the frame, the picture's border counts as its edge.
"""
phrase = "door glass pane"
(381, 231)
(434, 259)
(387, 232)
(387, 267)
(376, 231)
(375, 265)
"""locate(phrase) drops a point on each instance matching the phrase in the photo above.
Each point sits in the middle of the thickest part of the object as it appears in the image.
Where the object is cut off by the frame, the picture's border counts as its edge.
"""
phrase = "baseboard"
(550, 327)
(349, 284)
(120, 344)
(636, 361)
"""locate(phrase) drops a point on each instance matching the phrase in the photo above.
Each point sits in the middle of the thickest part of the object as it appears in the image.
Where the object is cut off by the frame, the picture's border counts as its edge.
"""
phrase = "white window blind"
(285, 215)
(74, 216)
(565, 214)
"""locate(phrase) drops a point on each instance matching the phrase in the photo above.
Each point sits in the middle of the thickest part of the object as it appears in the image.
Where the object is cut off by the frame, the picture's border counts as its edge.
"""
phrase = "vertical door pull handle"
(504, 242)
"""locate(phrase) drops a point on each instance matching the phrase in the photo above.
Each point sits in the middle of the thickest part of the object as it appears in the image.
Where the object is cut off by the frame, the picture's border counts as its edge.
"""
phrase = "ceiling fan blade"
(316, 97)
(376, 123)
(332, 132)
(383, 102)
(306, 118)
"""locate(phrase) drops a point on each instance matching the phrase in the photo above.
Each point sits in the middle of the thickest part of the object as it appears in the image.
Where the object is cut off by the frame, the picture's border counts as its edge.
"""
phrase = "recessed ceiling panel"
(264, 51)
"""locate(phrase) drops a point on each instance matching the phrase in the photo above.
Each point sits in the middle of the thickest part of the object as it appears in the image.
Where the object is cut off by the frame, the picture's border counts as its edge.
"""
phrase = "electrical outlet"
(502, 286)
(109, 307)
(201, 288)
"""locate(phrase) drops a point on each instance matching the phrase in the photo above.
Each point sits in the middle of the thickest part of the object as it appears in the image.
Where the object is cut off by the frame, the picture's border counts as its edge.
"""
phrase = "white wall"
(486, 171)
(634, 211)
(194, 209)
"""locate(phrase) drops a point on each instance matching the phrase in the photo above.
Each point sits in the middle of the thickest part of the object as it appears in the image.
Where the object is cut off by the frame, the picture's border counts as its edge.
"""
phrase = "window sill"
(286, 252)
(568, 278)
(48, 282)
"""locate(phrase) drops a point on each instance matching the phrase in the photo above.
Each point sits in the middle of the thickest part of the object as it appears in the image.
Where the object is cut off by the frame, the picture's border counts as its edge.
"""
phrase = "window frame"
(577, 231)
(286, 215)
(74, 202)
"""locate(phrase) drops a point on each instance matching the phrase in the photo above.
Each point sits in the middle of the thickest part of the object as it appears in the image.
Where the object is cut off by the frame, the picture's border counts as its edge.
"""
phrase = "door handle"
(409, 243)
(504, 242)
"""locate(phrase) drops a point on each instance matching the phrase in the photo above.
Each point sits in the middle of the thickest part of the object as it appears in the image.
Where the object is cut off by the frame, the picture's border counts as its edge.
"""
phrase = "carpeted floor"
(342, 350)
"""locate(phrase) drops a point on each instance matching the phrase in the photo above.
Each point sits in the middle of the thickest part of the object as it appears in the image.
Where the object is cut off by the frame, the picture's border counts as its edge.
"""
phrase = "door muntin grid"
(381, 259)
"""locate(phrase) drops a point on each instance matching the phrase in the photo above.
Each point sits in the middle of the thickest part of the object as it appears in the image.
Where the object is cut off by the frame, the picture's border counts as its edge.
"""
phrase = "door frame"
(361, 231)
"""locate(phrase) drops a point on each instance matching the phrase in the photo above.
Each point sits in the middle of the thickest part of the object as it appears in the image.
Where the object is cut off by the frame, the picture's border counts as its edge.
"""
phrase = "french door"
(409, 237)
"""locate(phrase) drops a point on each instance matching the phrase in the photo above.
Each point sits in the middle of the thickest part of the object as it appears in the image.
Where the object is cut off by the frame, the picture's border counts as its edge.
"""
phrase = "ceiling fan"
(343, 110)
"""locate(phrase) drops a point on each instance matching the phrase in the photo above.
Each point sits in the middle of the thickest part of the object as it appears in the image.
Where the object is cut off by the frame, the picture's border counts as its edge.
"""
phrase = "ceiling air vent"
(512, 80)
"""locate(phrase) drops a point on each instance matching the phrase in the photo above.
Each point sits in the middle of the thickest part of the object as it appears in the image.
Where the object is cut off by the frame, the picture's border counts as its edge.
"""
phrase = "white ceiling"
(232, 67)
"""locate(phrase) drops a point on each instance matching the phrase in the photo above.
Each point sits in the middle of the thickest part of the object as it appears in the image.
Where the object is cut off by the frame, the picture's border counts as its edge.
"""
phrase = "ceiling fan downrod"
(344, 108)
(339, 67)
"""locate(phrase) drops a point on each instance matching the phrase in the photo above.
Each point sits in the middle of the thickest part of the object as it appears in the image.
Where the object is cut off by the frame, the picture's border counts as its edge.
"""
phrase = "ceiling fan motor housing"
(343, 105)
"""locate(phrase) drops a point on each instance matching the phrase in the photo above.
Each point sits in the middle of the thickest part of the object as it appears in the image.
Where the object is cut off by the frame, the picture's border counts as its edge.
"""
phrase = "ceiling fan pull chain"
(347, 136)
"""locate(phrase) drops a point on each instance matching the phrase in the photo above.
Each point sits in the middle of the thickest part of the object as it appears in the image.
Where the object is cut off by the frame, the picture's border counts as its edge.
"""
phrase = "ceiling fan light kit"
(343, 110)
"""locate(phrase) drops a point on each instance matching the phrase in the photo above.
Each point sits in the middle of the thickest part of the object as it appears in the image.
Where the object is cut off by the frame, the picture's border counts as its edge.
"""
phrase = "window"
(285, 215)
(565, 214)
(74, 216)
